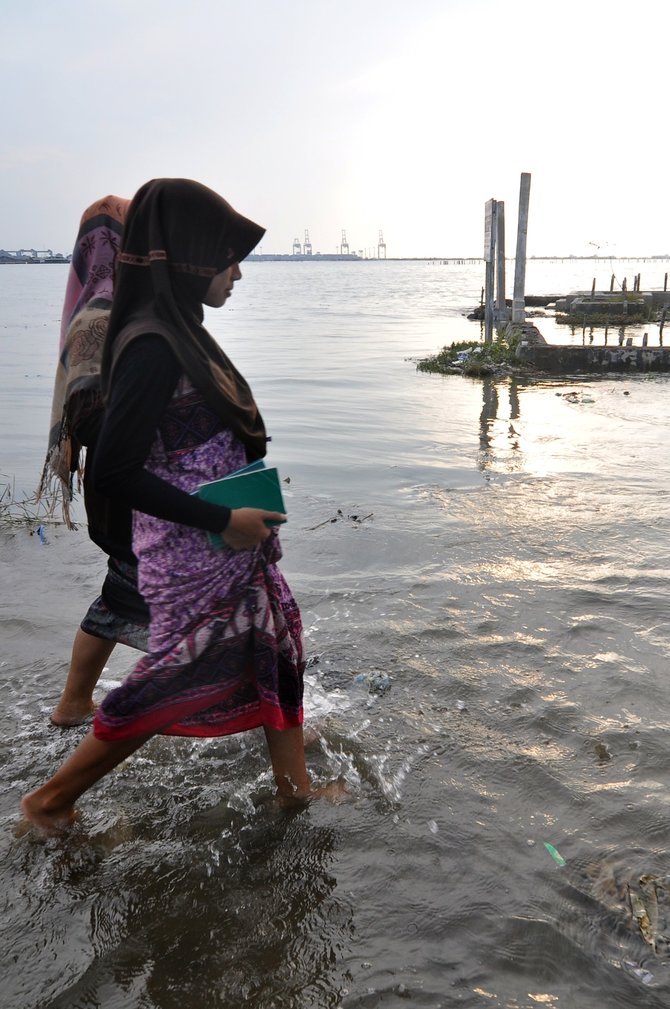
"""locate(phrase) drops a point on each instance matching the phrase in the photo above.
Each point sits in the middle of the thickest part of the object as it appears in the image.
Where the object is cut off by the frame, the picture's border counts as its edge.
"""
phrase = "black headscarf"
(178, 235)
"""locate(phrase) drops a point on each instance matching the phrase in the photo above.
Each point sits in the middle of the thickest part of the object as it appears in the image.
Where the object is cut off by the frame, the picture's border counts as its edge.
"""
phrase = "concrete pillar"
(519, 299)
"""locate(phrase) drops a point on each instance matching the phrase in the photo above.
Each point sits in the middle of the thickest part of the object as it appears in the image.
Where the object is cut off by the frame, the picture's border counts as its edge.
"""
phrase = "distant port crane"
(307, 245)
(344, 247)
(297, 247)
(381, 246)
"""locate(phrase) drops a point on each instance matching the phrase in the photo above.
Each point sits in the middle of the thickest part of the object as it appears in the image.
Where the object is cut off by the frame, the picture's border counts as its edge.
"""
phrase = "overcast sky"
(400, 115)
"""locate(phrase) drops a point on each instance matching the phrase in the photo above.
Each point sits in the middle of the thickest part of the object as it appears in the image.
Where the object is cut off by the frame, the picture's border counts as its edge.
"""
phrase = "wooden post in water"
(489, 250)
(501, 306)
(519, 299)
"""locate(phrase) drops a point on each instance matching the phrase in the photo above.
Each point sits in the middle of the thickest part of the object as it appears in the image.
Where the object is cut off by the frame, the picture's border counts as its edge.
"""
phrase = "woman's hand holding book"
(247, 527)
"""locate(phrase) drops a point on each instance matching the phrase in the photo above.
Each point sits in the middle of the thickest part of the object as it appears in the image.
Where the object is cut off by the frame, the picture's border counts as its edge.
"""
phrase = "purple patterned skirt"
(225, 639)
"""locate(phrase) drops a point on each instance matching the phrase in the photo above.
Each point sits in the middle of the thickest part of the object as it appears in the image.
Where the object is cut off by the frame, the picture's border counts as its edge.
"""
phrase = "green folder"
(246, 488)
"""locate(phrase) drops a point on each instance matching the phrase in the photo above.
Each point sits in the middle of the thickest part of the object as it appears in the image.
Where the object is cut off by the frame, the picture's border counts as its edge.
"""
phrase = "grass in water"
(470, 357)
(26, 511)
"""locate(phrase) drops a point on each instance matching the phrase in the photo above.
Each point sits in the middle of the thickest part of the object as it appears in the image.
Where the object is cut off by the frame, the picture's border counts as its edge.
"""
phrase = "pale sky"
(399, 115)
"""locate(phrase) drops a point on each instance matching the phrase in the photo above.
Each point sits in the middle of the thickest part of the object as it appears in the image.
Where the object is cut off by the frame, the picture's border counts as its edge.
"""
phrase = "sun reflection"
(519, 569)
(609, 786)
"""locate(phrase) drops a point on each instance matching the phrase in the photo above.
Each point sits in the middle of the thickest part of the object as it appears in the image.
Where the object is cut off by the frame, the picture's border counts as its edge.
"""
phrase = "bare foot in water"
(48, 821)
(335, 791)
(65, 715)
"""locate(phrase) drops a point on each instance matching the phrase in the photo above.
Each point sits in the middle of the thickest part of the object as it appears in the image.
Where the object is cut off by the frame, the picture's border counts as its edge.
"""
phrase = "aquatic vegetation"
(26, 510)
(474, 359)
(606, 309)
(611, 318)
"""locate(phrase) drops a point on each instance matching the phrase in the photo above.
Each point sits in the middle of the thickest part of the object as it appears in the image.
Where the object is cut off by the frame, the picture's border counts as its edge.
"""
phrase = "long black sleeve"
(145, 378)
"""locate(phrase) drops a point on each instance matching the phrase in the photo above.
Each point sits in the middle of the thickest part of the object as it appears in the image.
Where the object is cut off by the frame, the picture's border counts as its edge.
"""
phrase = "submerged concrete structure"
(566, 359)
(570, 359)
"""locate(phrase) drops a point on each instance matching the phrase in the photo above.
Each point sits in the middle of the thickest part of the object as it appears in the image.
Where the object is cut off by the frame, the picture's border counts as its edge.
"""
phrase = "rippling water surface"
(483, 570)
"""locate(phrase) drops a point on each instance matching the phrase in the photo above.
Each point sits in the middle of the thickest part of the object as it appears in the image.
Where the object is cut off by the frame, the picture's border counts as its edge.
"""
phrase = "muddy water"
(483, 571)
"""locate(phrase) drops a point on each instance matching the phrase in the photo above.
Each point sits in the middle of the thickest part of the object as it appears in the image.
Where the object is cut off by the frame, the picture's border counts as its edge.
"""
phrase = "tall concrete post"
(519, 299)
(501, 306)
(489, 259)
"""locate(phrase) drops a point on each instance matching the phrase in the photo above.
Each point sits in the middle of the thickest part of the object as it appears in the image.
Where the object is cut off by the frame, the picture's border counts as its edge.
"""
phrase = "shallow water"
(507, 570)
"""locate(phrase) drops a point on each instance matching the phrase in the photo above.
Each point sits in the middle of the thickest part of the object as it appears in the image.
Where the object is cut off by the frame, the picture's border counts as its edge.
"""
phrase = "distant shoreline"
(335, 258)
(55, 261)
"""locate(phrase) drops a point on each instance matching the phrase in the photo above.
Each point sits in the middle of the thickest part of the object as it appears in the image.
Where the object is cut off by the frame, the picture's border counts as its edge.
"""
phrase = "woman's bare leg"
(89, 655)
(287, 753)
(51, 807)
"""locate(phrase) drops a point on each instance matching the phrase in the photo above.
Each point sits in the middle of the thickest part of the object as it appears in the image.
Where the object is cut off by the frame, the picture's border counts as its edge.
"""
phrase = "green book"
(246, 488)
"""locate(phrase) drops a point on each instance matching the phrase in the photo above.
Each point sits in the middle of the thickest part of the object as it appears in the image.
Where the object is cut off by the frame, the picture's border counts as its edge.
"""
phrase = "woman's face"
(221, 286)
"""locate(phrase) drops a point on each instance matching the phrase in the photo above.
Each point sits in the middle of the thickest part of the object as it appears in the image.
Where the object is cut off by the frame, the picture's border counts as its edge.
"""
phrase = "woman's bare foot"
(334, 791)
(48, 820)
(50, 808)
(65, 715)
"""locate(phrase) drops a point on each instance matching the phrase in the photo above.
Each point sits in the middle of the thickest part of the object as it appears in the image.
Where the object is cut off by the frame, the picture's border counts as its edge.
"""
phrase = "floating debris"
(354, 519)
(645, 910)
(463, 355)
(641, 916)
(577, 397)
(645, 976)
(556, 855)
(376, 681)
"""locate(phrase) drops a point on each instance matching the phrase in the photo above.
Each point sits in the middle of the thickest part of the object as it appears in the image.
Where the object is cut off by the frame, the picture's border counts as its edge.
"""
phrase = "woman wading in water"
(119, 613)
(225, 638)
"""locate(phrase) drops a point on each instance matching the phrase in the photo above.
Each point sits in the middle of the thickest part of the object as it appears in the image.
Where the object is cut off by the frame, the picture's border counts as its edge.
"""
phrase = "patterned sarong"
(225, 642)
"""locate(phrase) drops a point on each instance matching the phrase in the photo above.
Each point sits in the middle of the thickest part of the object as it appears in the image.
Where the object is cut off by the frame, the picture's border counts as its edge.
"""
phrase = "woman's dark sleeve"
(145, 378)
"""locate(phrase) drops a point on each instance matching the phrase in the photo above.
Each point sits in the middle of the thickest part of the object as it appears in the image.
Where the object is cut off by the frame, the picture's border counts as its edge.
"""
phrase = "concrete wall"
(568, 360)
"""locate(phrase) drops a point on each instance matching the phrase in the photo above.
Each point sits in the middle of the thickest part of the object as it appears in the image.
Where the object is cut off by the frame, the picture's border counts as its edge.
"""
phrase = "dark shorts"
(119, 613)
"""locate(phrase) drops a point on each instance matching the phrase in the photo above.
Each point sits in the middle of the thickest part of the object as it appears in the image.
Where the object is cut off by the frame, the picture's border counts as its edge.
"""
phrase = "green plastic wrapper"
(556, 855)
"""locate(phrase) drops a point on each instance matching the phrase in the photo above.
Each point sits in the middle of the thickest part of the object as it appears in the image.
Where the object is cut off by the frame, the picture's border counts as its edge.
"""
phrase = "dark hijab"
(178, 235)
